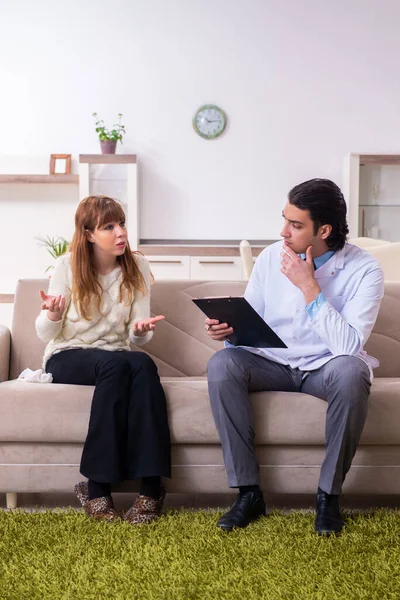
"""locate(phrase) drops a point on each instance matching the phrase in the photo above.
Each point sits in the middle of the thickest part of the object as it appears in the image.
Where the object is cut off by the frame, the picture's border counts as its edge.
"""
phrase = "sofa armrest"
(5, 348)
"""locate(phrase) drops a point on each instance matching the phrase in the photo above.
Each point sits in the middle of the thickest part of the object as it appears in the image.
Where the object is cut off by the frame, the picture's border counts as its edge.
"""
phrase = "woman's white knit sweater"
(109, 329)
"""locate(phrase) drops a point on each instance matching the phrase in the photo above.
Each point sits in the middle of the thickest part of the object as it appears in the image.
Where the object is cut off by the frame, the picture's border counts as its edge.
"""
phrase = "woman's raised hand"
(54, 304)
(142, 327)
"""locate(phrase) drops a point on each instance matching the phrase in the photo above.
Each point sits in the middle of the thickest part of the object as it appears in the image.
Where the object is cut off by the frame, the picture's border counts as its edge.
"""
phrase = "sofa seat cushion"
(34, 412)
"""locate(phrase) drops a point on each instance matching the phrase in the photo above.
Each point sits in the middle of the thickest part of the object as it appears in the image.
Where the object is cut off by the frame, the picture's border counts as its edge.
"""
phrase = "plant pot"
(108, 146)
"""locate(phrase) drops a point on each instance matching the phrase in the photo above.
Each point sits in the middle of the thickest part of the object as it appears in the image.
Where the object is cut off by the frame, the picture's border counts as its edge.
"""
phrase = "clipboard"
(249, 329)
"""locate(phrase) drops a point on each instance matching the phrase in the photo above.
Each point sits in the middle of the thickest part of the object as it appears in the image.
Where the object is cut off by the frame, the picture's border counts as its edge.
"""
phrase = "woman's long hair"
(93, 212)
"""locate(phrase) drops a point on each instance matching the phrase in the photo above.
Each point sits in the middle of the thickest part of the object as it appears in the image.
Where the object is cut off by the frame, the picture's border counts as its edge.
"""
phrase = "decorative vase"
(108, 146)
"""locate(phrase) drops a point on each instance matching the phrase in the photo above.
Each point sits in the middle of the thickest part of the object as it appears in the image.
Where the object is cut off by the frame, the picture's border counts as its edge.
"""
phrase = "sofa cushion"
(33, 412)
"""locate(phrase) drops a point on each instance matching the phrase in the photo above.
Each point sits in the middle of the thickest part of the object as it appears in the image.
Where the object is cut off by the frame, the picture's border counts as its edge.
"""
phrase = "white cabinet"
(113, 175)
(371, 188)
(170, 267)
(207, 268)
(216, 268)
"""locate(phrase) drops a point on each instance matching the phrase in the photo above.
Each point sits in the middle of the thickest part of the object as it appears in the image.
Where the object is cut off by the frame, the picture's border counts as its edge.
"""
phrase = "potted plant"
(56, 246)
(109, 137)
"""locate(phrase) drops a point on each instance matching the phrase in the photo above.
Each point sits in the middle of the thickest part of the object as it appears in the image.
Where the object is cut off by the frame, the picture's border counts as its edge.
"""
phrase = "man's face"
(298, 231)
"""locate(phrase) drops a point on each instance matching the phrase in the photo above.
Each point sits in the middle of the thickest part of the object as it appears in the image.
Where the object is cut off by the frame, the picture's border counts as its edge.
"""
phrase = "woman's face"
(109, 239)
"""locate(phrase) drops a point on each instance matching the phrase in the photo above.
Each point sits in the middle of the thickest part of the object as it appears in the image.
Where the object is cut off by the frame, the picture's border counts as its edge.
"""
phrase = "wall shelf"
(17, 178)
(379, 159)
(173, 250)
(108, 159)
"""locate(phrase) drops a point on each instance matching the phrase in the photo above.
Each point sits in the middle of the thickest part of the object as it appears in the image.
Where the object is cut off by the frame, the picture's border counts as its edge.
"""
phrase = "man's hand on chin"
(300, 272)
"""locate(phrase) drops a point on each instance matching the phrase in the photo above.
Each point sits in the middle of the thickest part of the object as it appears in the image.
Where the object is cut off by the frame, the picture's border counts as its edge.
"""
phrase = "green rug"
(64, 555)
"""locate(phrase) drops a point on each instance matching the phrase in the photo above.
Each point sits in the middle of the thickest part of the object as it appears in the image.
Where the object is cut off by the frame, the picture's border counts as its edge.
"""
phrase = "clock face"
(209, 121)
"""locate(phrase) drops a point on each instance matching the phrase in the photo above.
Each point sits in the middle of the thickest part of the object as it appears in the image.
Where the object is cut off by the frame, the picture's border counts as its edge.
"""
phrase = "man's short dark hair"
(326, 205)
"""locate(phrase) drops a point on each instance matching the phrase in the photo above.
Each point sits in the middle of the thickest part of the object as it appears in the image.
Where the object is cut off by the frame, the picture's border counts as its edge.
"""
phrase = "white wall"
(303, 83)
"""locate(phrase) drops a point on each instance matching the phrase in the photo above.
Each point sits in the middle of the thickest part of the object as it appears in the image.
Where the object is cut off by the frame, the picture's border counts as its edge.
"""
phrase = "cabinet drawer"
(169, 267)
(216, 268)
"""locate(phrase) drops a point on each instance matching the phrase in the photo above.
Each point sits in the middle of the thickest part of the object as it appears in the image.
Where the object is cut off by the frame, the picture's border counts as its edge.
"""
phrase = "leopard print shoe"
(101, 509)
(81, 490)
(145, 510)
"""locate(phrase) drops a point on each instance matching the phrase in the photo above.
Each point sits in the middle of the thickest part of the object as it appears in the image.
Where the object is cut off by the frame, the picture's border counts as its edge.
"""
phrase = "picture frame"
(60, 164)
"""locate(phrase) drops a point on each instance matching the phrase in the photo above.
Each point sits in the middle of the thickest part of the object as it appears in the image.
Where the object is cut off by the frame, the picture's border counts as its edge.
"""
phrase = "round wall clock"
(209, 121)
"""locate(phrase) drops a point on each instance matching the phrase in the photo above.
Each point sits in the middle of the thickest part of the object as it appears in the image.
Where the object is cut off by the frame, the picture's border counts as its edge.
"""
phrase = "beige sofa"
(366, 242)
(43, 426)
(388, 256)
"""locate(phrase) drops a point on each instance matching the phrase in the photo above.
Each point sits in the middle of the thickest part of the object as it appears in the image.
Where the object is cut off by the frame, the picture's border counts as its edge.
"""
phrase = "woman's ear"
(89, 236)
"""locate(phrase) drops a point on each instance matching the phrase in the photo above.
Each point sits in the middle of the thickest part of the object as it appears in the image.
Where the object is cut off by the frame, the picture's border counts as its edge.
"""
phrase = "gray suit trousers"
(343, 382)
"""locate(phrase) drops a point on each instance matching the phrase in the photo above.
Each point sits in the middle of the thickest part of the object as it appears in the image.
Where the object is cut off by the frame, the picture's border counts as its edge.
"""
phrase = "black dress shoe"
(248, 507)
(328, 520)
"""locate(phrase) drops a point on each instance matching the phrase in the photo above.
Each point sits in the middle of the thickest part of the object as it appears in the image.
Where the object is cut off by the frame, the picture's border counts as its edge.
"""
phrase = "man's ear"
(325, 231)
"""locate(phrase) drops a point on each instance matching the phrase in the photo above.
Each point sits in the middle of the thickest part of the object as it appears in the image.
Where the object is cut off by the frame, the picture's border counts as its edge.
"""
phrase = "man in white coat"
(321, 296)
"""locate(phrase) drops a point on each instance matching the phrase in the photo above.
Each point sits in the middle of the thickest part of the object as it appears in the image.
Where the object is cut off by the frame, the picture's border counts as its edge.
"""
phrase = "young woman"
(98, 300)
